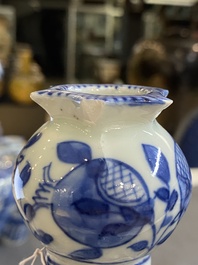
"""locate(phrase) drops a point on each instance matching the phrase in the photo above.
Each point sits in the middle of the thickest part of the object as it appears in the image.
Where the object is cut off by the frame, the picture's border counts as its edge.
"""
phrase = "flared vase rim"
(113, 94)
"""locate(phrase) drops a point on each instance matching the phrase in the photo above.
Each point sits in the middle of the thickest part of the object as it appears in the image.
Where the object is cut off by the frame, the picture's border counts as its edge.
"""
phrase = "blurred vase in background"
(26, 76)
(13, 230)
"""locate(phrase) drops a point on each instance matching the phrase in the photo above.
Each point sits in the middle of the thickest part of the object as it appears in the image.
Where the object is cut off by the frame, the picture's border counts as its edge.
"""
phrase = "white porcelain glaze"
(101, 182)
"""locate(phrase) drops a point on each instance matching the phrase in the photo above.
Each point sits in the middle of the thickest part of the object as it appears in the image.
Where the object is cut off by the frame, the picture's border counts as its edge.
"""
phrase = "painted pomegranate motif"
(93, 217)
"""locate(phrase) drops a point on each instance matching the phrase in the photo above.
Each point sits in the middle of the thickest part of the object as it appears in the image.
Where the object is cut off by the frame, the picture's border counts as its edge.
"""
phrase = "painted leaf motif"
(25, 173)
(163, 239)
(167, 220)
(141, 245)
(33, 139)
(163, 194)
(139, 217)
(43, 237)
(157, 162)
(29, 211)
(73, 152)
(116, 229)
(84, 254)
(130, 215)
(177, 218)
(172, 201)
(146, 210)
(91, 207)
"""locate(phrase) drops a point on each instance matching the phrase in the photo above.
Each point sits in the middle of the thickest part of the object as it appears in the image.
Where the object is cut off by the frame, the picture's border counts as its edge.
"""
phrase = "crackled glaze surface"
(102, 187)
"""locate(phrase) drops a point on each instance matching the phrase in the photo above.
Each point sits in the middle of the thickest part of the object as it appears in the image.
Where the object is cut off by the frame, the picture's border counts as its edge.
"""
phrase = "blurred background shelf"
(21, 120)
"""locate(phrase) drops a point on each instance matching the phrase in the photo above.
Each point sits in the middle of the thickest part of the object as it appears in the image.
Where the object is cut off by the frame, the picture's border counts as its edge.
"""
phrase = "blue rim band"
(144, 95)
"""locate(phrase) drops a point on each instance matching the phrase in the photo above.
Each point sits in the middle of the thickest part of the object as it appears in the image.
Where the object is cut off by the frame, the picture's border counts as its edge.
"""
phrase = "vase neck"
(106, 104)
(96, 111)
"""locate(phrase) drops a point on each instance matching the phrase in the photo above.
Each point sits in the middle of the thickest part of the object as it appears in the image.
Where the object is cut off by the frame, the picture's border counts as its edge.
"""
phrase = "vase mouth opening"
(121, 94)
(110, 89)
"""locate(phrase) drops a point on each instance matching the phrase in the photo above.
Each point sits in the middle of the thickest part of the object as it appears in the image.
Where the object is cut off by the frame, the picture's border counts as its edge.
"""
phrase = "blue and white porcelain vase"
(101, 182)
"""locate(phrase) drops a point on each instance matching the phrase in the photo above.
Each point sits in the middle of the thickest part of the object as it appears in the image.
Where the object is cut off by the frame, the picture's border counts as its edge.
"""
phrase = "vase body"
(101, 182)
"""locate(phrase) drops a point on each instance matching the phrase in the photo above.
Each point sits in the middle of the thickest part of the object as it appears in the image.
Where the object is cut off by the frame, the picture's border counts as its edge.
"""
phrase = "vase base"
(53, 259)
